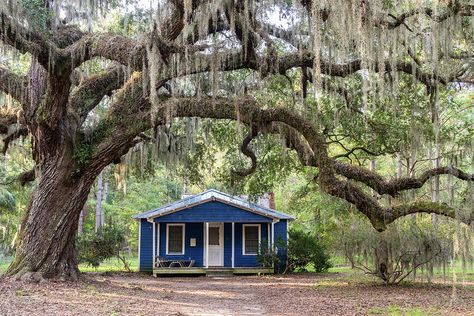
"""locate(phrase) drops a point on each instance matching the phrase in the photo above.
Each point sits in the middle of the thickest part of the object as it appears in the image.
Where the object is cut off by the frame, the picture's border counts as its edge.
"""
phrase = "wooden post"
(154, 246)
(268, 236)
(139, 242)
(233, 244)
(158, 239)
(207, 244)
(273, 235)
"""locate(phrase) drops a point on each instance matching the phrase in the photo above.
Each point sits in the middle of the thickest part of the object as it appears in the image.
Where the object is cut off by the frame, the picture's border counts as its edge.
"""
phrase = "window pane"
(175, 239)
(251, 232)
(214, 236)
(251, 239)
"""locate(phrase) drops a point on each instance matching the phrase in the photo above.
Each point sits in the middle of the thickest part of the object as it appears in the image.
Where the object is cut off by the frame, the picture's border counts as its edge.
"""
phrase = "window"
(251, 239)
(175, 239)
(214, 238)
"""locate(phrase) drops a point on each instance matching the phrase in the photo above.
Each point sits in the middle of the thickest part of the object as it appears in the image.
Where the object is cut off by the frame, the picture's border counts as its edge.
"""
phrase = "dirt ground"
(301, 294)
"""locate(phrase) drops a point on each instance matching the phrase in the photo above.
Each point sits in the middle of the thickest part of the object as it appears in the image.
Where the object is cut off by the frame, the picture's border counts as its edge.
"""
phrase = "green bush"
(268, 257)
(305, 250)
(93, 248)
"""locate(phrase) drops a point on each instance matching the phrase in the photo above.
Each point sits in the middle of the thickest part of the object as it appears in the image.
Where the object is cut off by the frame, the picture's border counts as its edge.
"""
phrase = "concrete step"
(219, 272)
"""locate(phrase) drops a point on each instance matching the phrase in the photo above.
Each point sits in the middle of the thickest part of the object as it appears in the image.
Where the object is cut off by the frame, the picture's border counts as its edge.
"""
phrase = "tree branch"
(313, 151)
(248, 152)
(14, 85)
(27, 176)
(19, 132)
(92, 90)
(27, 40)
(6, 120)
(395, 186)
(452, 9)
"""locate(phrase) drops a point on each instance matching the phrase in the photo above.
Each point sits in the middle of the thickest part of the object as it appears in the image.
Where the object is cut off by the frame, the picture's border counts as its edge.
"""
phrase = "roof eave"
(213, 198)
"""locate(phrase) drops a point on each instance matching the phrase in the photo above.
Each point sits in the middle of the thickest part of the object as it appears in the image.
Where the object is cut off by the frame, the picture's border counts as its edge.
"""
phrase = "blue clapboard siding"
(146, 246)
(281, 229)
(212, 212)
(242, 260)
(227, 244)
(191, 230)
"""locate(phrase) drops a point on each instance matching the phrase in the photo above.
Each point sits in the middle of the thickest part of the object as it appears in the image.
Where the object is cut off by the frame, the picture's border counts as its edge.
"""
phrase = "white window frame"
(243, 238)
(168, 240)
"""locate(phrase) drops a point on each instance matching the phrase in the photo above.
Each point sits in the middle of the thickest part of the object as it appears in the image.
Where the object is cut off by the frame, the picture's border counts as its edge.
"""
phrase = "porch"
(212, 271)
(195, 247)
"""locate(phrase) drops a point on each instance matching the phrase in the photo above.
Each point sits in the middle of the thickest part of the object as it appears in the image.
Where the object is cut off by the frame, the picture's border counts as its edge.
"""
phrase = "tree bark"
(46, 244)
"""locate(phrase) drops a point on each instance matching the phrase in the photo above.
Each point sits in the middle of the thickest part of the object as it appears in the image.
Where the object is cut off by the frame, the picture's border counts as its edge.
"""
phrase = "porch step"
(219, 272)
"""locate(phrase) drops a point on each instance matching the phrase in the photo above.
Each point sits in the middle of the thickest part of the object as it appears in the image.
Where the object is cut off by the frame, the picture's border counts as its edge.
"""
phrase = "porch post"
(154, 244)
(158, 239)
(273, 235)
(233, 244)
(207, 244)
(268, 236)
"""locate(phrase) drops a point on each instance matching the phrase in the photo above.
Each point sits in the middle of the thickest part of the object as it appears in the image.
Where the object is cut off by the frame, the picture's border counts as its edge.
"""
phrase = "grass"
(110, 265)
(350, 275)
(395, 310)
(4, 263)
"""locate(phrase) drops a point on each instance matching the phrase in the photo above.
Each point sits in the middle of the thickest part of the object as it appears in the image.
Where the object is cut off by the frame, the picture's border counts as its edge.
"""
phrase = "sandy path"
(302, 294)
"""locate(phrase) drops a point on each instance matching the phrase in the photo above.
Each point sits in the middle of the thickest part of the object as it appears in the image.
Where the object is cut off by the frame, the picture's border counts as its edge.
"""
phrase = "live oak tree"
(327, 42)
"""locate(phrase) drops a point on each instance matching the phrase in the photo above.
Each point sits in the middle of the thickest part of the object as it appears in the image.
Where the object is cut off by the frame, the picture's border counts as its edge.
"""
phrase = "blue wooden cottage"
(208, 231)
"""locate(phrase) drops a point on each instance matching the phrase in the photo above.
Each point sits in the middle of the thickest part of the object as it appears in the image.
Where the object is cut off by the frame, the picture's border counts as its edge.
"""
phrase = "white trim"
(233, 244)
(243, 238)
(207, 248)
(167, 239)
(154, 245)
(273, 235)
(139, 242)
(268, 236)
(204, 244)
(158, 240)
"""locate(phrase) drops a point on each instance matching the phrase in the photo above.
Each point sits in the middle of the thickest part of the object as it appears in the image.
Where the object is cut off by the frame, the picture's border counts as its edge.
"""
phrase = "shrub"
(268, 257)
(304, 250)
(93, 248)
(409, 244)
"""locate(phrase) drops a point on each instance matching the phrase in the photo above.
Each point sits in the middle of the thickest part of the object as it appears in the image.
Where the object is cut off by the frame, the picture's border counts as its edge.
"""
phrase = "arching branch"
(311, 148)
(27, 40)
(395, 186)
(92, 90)
(244, 148)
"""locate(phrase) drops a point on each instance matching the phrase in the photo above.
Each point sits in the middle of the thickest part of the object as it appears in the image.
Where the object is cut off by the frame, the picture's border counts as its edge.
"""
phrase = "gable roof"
(213, 195)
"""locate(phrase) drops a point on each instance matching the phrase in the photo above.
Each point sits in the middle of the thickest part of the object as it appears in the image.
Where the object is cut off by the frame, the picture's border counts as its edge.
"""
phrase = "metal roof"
(213, 195)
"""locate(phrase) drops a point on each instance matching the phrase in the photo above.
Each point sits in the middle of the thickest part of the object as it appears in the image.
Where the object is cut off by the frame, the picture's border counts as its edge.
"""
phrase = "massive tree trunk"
(48, 230)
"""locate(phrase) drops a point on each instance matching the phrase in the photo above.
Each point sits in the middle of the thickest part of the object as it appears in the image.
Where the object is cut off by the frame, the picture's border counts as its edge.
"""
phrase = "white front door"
(216, 244)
